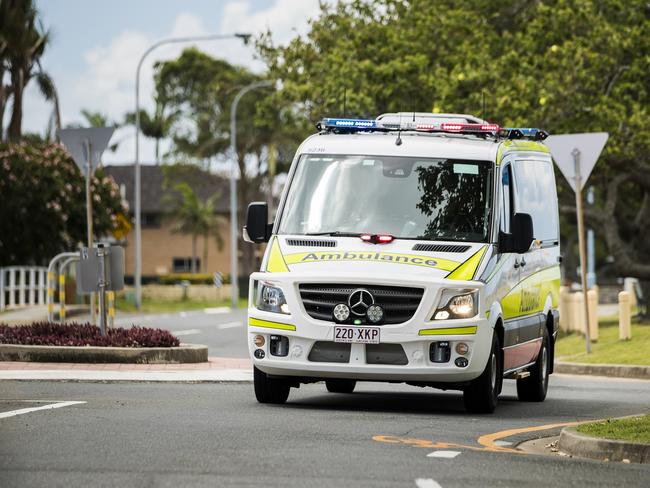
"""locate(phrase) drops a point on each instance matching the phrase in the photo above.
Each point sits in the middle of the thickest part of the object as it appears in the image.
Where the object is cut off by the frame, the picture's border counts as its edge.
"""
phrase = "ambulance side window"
(535, 194)
(506, 199)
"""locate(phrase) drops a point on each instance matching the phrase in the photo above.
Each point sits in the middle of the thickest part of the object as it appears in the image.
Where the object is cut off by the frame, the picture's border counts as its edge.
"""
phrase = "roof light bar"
(354, 124)
(458, 128)
(524, 133)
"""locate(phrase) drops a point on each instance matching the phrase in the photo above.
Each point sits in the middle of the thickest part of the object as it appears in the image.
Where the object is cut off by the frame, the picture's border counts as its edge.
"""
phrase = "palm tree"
(155, 126)
(192, 216)
(23, 43)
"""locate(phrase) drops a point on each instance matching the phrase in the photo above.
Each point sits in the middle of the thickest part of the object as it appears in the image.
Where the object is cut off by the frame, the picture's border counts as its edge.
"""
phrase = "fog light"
(259, 341)
(259, 353)
(461, 362)
(442, 315)
(462, 348)
(375, 314)
(341, 312)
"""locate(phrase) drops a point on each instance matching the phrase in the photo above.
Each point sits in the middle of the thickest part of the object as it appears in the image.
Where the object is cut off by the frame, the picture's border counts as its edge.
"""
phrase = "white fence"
(22, 286)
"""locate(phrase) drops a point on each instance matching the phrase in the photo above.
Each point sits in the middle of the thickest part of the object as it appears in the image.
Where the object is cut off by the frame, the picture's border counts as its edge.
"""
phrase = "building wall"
(160, 246)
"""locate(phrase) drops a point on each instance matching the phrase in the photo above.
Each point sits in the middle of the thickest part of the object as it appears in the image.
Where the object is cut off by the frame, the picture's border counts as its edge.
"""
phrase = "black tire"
(269, 390)
(340, 385)
(482, 394)
(534, 387)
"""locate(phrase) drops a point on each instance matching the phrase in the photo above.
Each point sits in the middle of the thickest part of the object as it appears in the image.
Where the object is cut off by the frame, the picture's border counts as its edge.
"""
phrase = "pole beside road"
(137, 275)
(581, 244)
(234, 233)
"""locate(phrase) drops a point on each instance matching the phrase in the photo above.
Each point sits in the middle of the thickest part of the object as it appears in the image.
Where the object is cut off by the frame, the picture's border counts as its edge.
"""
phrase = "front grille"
(311, 243)
(399, 303)
(440, 247)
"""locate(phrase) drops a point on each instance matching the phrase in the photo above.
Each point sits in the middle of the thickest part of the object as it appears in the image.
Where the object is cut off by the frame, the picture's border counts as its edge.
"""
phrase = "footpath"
(215, 370)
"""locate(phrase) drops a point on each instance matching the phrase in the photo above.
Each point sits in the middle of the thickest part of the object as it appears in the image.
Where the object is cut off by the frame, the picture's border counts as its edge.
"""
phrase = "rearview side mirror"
(257, 228)
(521, 237)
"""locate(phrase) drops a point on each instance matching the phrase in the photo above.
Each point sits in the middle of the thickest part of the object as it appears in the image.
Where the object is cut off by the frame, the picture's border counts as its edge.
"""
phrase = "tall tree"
(25, 40)
(199, 90)
(156, 125)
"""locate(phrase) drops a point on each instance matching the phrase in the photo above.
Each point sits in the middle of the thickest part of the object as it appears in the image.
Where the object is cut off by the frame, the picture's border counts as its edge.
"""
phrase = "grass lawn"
(609, 349)
(635, 429)
(150, 305)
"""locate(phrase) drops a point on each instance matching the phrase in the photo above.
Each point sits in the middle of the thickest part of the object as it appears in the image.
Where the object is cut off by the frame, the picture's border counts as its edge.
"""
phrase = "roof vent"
(440, 248)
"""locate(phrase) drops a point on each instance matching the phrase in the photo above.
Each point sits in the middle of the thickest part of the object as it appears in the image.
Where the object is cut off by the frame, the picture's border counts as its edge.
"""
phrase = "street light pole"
(137, 278)
(234, 274)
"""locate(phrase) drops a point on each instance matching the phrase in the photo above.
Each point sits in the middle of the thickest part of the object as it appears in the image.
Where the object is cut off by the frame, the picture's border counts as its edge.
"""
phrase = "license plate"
(361, 335)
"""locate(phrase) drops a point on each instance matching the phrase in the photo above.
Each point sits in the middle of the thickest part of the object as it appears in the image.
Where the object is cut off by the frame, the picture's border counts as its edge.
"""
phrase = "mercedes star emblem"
(359, 301)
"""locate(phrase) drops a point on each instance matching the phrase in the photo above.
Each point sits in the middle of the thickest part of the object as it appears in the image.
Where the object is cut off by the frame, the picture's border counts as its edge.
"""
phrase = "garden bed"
(83, 343)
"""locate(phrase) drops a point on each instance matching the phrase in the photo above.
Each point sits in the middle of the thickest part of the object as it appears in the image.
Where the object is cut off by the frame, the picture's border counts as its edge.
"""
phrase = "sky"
(96, 45)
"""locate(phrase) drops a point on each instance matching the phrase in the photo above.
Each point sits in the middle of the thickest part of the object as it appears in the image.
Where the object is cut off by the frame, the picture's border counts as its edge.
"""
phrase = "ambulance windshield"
(409, 198)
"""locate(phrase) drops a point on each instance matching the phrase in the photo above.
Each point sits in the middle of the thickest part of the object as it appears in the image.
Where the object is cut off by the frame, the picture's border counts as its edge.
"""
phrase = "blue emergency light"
(524, 133)
(351, 124)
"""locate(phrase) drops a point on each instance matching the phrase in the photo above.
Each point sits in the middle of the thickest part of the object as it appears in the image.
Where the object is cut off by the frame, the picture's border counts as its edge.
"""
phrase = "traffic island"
(184, 353)
(84, 343)
(619, 440)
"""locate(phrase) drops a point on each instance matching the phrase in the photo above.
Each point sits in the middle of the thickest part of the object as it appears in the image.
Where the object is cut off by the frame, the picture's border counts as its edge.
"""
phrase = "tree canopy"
(568, 66)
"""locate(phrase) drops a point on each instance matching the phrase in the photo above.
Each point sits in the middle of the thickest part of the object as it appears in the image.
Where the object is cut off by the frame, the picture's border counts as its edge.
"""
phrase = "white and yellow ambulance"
(418, 248)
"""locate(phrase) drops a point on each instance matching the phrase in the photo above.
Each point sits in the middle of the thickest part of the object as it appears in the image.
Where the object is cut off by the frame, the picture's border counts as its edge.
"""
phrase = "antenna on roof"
(398, 141)
(483, 104)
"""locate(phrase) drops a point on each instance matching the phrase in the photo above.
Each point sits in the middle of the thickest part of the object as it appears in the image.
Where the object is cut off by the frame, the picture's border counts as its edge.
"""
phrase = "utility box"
(89, 269)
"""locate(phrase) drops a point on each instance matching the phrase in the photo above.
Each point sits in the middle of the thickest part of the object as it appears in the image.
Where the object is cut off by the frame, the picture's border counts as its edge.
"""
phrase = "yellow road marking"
(487, 441)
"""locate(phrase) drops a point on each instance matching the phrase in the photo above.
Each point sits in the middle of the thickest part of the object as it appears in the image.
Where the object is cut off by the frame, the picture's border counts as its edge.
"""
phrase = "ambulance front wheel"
(269, 390)
(482, 393)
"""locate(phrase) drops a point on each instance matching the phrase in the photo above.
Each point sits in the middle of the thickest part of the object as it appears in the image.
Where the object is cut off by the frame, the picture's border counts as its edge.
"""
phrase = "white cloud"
(107, 82)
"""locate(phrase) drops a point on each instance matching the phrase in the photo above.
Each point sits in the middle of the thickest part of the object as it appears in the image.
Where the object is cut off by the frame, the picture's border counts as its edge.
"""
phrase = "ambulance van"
(414, 248)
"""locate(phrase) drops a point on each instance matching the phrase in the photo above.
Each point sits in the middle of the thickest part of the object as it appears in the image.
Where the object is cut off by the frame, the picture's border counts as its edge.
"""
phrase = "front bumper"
(414, 336)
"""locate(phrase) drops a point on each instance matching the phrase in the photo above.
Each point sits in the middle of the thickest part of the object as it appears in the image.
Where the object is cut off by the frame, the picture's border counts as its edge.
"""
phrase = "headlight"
(457, 304)
(270, 298)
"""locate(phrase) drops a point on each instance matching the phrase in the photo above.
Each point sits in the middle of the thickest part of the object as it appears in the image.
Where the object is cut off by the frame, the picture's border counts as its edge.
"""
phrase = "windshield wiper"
(334, 233)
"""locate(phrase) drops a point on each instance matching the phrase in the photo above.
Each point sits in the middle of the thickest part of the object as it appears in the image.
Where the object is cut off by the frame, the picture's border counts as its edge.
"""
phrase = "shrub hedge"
(193, 278)
(76, 334)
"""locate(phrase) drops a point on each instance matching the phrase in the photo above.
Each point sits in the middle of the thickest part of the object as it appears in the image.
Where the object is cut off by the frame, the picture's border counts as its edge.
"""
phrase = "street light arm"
(234, 233)
(137, 275)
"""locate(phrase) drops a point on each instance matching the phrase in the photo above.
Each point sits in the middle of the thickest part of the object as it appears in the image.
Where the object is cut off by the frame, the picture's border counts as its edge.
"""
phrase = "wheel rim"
(493, 371)
(544, 364)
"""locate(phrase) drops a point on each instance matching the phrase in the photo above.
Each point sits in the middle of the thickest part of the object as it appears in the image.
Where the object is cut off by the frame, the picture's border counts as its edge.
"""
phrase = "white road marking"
(443, 454)
(229, 325)
(503, 443)
(186, 332)
(183, 314)
(216, 310)
(13, 413)
(426, 483)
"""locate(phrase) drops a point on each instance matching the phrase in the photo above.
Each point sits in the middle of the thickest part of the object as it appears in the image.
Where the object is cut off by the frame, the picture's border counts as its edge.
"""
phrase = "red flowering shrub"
(74, 334)
(43, 204)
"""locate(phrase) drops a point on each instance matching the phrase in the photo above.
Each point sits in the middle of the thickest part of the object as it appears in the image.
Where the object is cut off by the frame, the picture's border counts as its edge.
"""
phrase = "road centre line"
(22, 411)
(230, 325)
(443, 454)
(216, 310)
(426, 483)
(186, 332)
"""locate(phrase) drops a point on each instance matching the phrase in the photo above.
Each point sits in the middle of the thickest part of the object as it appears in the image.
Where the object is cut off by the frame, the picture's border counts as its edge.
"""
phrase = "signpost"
(100, 269)
(576, 156)
(86, 147)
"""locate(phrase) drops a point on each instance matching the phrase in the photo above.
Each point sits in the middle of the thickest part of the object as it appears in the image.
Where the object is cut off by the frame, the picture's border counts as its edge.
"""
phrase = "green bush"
(43, 204)
(193, 278)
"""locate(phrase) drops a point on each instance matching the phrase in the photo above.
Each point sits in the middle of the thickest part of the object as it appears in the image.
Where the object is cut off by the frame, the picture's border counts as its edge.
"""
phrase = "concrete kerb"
(185, 353)
(613, 370)
(579, 445)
